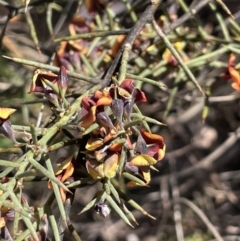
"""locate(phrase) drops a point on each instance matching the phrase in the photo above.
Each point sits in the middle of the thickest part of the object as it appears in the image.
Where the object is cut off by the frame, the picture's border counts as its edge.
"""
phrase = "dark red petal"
(139, 96)
(127, 84)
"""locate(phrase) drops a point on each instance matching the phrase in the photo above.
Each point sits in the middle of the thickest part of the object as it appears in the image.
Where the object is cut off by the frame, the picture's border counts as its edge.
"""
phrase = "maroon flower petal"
(39, 75)
(139, 96)
(127, 84)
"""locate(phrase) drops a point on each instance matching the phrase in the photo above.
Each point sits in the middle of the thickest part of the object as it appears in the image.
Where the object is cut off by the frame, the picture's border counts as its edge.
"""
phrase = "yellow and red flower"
(112, 109)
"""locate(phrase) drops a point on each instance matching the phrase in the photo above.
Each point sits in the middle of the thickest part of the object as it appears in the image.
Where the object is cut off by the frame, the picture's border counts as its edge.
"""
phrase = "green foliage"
(77, 121)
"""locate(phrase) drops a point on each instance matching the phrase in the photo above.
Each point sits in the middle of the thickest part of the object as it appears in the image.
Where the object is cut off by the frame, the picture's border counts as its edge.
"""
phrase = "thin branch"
(177, 56)
(51, 68)
(203, 217)
(176, 206)
(147, 16)
(93, 35)
(185, 17)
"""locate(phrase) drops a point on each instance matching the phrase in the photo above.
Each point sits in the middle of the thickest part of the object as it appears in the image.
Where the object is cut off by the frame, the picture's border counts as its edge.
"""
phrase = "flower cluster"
(70, 54)
(115, 144)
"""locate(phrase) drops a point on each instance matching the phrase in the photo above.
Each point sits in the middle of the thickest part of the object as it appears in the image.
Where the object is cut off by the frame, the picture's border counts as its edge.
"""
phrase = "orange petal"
(236, 86)
(117, 44)
(6, 112)
(90, 118)
(152, 138)
(105, 101)
(50, 185)
(72, 29)
(68, 172)
(2, 222)
(231, 60)
(50, 182)
(161, 153)
(62, 194)
(115, 147)
(143, 160)
(94, 144)
(64, 165)
(233, 72)
(62, 48)
(110, 136)
(129, 143)
(235, 75)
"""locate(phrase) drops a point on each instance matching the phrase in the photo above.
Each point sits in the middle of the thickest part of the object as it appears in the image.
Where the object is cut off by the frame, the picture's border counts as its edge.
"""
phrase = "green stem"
(177, 56)
(93, 35)
(51, 68)
(123, 69)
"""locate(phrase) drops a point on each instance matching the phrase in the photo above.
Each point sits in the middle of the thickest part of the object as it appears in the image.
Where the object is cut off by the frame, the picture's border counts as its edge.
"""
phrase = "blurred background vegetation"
(196, 191)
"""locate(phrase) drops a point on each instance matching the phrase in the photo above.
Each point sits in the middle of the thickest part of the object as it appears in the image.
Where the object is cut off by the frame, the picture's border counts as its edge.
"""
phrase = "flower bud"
(104, 120)
(117, 109)
(62, 81)
(102, 209)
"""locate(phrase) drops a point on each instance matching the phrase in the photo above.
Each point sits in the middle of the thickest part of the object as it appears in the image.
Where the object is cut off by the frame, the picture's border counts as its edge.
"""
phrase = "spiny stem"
(51, 68)
(177, 56)
(93, 35)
